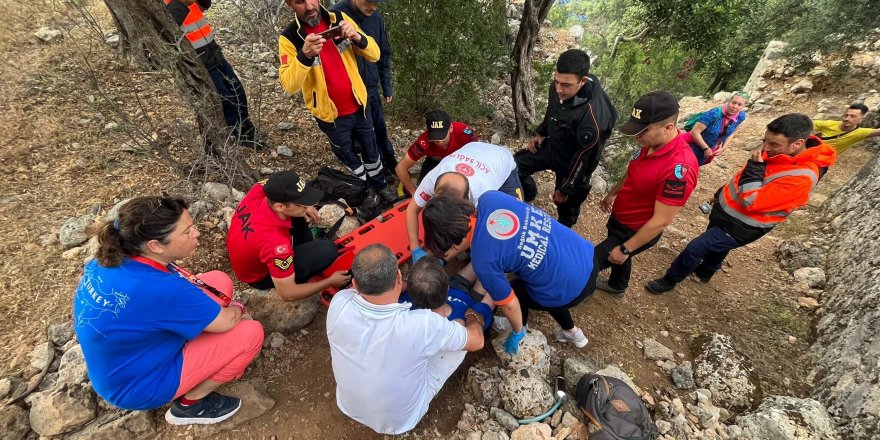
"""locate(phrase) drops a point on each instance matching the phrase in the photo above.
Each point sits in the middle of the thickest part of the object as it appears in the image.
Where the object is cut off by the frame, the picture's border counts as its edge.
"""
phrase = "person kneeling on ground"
(152, 332)
(554, 265)
(271, 245)
(428, 287)
(389, 361)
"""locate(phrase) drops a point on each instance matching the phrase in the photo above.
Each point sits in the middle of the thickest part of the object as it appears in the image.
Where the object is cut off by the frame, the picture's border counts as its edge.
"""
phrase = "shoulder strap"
(829, 138)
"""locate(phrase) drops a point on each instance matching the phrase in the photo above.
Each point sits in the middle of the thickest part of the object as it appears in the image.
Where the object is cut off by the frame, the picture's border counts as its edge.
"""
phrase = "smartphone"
(334, 32)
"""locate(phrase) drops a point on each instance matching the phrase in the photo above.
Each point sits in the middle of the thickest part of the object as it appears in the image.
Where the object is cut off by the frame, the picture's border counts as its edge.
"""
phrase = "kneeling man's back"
(388, 361)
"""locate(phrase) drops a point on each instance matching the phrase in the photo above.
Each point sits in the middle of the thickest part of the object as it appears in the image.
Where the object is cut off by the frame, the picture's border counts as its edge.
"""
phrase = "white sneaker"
(501, 324)
(578, 338)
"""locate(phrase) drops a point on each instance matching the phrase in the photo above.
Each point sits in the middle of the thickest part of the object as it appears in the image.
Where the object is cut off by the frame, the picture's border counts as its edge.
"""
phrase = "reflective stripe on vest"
(734, 205)
(196, 28)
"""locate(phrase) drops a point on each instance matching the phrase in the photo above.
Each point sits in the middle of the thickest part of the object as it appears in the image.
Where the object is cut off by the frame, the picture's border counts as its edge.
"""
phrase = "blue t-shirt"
(132, 322)
(713, 120)
(510, 236)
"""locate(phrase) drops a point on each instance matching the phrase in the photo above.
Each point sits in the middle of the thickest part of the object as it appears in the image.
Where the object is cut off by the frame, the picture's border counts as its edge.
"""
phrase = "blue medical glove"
(511, 345)
(417, 254)
(458, 309)
(486, 311)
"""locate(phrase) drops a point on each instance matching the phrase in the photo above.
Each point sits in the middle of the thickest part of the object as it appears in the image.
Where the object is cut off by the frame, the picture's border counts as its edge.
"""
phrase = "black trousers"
(560, 313)
(310, 256)
(617, 235)
(529, 164)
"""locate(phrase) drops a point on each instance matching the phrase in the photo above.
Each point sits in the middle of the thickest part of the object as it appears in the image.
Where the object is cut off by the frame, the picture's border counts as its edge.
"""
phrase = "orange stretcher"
(388, 229)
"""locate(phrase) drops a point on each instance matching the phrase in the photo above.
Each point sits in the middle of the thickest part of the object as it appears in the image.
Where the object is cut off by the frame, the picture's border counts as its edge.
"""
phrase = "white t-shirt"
(486, 167)
(384, 359)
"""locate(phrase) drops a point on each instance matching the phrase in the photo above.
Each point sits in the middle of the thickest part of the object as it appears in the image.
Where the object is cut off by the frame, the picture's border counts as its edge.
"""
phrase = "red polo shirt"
(338, 83)
(667, 175)
(259, 241)
(461, 135)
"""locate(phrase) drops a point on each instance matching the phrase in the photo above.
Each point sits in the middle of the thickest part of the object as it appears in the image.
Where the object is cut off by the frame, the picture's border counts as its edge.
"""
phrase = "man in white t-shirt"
(390, 361)
(467, 173)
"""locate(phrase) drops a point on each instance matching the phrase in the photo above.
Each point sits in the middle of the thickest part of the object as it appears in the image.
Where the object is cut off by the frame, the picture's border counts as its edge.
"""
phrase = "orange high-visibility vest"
(196, 28)
(735, 203)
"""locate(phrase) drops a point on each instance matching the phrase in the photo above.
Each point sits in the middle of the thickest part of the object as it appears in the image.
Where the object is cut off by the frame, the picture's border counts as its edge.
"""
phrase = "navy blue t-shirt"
(132, 322)
(458, 299)
(510, 236)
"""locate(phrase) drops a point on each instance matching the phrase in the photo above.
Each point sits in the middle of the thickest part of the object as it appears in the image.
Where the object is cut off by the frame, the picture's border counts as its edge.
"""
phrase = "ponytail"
(140, 220)
(110, 251)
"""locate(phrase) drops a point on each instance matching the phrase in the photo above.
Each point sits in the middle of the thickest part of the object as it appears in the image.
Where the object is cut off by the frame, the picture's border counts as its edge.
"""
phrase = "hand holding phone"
(334, 32)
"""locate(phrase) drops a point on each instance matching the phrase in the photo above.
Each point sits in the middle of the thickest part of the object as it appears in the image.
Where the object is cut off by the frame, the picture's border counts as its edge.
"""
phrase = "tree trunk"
(523, 93)
(153, 39)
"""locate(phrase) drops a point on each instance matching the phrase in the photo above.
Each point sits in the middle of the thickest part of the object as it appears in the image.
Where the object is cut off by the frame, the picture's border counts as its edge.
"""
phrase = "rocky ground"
(70, 156)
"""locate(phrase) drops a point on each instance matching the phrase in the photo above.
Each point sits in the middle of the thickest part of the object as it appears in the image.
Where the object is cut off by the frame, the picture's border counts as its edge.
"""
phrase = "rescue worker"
(776, 180)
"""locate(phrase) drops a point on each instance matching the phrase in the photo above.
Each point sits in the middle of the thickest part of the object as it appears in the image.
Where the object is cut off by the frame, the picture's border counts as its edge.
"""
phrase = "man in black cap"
(270, 243)
(658, 182)
(570, 139)
(441, 138)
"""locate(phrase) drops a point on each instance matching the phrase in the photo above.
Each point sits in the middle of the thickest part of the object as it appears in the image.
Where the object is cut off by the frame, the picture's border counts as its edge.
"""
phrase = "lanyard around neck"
(185, 274)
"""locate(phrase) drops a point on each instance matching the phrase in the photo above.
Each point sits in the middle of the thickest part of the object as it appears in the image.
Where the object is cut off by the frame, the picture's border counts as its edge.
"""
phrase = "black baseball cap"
(438, 125)
(287, 187)
(650, 108)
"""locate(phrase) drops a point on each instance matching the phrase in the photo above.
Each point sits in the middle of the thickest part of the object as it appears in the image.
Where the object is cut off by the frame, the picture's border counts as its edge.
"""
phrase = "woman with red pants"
(152, 332)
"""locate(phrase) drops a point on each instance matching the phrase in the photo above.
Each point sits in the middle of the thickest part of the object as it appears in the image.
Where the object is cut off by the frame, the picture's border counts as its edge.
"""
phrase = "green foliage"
(824, 25)
(445, 52)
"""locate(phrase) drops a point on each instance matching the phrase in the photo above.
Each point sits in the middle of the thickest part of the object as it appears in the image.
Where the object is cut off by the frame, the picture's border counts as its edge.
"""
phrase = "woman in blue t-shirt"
(151, 331)
(714, 130)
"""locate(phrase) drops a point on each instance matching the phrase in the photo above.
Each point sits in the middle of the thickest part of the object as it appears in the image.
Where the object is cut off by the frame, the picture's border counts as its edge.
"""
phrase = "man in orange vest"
(189, 16)
(777, 179)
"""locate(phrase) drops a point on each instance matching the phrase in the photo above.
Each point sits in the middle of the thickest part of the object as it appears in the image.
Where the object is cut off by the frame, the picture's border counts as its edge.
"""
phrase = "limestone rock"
(255, 401)
(274, 340)
(788, 418)
(285, 126)
(574, 369)
(119, 425)
(808, 303)
(793, 255)
(812, 276)
(494, 435)
(724, 372)
(6, 387)
(40, 355)
(73, 231)
(616, 372)
(217, 191)
(284, 150)
(683, 376)
(59, 334)
(534, 431)
(485, 385)
(534, 353)
(504, 418)
(61, 410)
(576, 31)
(802, 86)
(113, 213)
(72, 369)
(47, 35)
(276, 315)
(657, 351)
(524, 393)
(13, 422)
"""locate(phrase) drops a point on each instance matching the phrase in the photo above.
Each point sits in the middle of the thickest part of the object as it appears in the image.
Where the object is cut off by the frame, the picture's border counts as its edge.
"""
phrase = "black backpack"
(614, 408)
(339, 185)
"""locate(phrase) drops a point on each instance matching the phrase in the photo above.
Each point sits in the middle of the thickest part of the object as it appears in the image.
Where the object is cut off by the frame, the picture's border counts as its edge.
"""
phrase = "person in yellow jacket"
(843, 134)
(317, 52)
(776, 180)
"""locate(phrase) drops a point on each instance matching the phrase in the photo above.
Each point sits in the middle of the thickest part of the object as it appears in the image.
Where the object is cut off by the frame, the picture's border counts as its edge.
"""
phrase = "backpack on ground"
(689, 124)
(339, 185)
(614, 409)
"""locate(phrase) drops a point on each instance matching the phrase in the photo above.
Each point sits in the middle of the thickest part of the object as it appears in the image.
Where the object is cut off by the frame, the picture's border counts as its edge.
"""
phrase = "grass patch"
(783, 318)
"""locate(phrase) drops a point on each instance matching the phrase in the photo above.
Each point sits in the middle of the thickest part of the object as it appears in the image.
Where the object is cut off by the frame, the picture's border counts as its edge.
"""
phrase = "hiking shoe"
(701, 278)
(501, 324)
(602, 284)
(660, 286)
(579, 339)
(213, 408)
(388, 194)
(371, 200)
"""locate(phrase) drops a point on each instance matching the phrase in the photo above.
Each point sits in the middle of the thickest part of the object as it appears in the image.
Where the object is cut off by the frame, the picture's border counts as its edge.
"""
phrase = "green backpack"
(696, 117)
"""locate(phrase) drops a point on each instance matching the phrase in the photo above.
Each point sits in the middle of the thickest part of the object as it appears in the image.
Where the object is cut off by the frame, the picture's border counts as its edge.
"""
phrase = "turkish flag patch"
(673, 189)
(424, 196)
(283, 60)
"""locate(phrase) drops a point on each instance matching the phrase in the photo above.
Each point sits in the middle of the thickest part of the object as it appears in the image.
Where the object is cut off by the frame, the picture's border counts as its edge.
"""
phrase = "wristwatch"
(623, 249)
